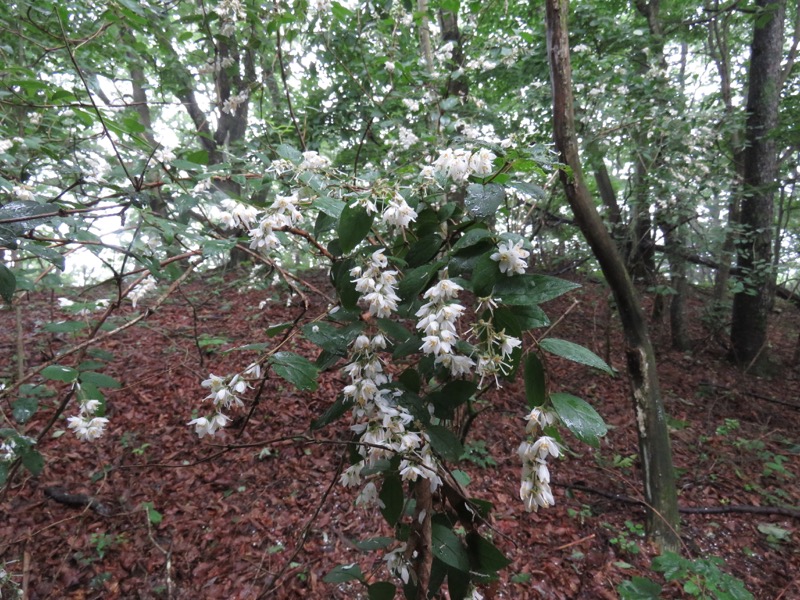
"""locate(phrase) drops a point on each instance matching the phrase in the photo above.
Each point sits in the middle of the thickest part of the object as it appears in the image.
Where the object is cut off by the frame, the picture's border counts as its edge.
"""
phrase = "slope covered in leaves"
(257, 512)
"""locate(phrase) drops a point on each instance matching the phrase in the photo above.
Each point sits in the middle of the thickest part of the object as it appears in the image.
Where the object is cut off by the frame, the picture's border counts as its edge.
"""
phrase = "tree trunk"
(654, 445)
(751, 307)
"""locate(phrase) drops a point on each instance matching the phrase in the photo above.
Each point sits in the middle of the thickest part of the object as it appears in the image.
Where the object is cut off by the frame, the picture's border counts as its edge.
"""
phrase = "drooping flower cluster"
(437, 320)
(141, 290)
(376, 284)
(495, 350)
(511, 258)
(534, 491)
(229, 12)
(224, 394)
(232, 104)
(283, 213)
(87, 426)
(237, 214)
(398, 213)
(458, 164)
(386, 428)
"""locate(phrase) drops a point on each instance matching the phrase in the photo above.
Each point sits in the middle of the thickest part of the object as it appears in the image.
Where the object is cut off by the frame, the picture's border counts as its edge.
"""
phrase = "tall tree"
(752, 305)
(654, 445)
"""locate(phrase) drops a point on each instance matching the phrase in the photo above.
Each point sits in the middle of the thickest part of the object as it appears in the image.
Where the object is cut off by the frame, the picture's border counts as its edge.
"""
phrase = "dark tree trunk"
(751, 307)
(654, 445)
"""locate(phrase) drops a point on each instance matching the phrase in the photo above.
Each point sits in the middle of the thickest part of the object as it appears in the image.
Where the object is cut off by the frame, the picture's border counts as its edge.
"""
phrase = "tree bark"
(751, 306)
(654, 445)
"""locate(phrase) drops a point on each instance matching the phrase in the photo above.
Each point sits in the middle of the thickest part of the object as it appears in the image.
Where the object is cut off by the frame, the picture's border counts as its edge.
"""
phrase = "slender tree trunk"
(718, 45)
(654, 445)
(751, 307)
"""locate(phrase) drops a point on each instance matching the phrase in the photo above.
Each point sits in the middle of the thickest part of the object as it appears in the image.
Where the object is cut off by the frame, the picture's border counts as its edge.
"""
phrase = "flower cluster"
(87, 426)
(144, 288)
(229, 12)
(459, 164)
(399, 213)
(495, 350)
(385, 426)
(8, 451)
(284, 213)
(313, 161)
(535, 490)
(224, 393)
(437, 320)
(236, 214)
(376, 285)
(232, 104)
(511, 258)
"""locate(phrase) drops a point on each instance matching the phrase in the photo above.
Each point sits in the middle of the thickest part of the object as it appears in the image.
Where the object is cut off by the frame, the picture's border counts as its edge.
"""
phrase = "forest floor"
(232, 521)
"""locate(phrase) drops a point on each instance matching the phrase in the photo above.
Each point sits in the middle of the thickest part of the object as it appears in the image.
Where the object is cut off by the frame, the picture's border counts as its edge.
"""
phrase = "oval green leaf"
(580, 418)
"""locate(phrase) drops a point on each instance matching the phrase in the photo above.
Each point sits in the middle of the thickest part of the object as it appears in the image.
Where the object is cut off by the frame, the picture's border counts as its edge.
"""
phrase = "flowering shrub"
(405, 260)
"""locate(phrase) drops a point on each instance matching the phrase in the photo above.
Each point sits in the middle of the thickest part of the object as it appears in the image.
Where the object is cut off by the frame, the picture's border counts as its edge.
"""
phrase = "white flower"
(399, 213)
(204, 426)
(313, 161)
(389, 66)
(481, 162)
(406, 137)
(511, 258)
(232, 104)
(22, 192)
(86, 429)
(539, 418)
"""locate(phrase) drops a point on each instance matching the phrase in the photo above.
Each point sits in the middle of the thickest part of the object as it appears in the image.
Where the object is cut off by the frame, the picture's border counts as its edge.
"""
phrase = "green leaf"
(59, 373)
(529, 189)
(485, 275)
(381, 590)
(29, 211)
(332, 339)
(8, 283)
(447, 547)
(330, 206)
(100, 380)
(580, 418)
(65, 326)
(471, 238)
(295, 369)
(289, 153)
(423, 250)
(33, 461)
(343, 573)
(354, 225)
(335, 410)
(417, 280)
(445, 442)
(639, 588)
(24, 408)
(450, 397)
(153, 515)
(393, 499)
(535, 381)
(375, 543)
(394, 330)
(529, 317)
(482, 201)
(486, 558)
(575, 353)
(345, 288)
(527, 290)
